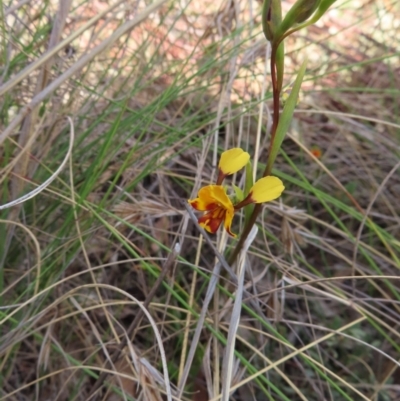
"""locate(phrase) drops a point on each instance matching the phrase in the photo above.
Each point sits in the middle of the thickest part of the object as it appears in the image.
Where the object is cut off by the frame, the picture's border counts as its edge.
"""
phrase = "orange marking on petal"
(209, 223)
(194, 203)
(212, 206)
(214, 224)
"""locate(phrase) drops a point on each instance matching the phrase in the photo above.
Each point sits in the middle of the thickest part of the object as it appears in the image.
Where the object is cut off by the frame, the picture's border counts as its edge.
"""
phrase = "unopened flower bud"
(306, 10)
(271, 17)
(300, 12)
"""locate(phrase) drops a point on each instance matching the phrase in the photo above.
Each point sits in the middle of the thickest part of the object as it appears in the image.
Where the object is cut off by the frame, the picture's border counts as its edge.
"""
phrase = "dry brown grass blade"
(29, 122)
(106, 372)
(301, 351)
(54, 50)
(45, 184)
(81, 63)
(37, 248)
(228, 362)
(268, 361)
(133, 326)
(351, 197)
(367, 218)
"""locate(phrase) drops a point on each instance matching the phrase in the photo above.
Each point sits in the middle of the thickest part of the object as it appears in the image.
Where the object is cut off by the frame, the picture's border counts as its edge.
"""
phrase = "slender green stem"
(267, 171)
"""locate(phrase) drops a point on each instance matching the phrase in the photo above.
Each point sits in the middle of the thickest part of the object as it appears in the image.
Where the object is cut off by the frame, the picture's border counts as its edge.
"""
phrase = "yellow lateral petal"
(228, 222)
(266, 189)
(233, 160)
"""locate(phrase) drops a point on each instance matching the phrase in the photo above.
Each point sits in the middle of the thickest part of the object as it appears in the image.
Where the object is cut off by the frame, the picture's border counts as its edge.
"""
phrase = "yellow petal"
(205, 200)
(266, 189)
(228, 222)
(219, 195)
(233, 160)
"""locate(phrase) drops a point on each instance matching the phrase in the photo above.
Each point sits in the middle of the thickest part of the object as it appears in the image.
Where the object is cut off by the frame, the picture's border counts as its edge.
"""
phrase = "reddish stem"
(267, 171)
(275, 94)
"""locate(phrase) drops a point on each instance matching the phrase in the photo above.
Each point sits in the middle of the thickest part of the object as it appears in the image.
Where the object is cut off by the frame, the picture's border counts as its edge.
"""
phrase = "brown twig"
(136, 321)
